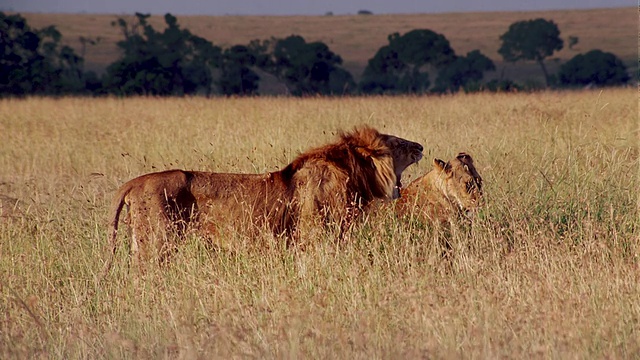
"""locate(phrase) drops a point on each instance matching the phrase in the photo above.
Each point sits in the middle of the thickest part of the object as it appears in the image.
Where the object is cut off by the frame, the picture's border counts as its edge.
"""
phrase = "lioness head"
(462, 182)
(404, 153)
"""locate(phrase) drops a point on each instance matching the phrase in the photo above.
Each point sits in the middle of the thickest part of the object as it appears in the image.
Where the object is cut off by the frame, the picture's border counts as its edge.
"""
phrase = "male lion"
(450, 189)
(329, 185)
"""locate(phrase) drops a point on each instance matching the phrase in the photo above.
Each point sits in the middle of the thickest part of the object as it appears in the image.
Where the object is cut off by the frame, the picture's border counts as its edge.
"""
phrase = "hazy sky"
(295, 7)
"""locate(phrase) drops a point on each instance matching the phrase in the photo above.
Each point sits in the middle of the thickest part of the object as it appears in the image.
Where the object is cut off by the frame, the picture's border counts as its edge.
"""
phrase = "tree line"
(175, 62)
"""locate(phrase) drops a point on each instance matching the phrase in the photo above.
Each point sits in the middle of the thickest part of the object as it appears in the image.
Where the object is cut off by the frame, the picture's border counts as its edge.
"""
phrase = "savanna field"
(550, 267)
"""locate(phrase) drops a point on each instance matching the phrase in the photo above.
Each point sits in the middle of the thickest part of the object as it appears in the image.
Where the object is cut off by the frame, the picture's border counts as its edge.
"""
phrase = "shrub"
(593, 68)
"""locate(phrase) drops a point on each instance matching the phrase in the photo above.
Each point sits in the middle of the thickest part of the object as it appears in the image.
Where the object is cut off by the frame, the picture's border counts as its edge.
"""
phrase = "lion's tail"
(116, 208)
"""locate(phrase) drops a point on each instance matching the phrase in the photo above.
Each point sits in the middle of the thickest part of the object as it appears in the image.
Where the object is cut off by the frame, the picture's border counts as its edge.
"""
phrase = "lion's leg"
(338, 209)
(347, 219)
(166, 234)
(310, 219)
(175, 219)
(322, 204)
(149, 224)
(139, 234)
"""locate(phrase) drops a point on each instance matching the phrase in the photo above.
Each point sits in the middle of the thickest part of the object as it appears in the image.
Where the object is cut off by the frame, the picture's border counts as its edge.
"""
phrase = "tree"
(593, 68)
(532, 40)
(421, 47)
(32, 61)
(237, 78)
(399, 66)
(172, 62)
(305, 68)
(383, 73)
(462, 71)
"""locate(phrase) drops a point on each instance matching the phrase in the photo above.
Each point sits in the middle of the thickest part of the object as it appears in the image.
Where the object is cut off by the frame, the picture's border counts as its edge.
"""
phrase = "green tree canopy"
(32, 61)
(593, 68)
(401, 65)
(305, 68)
(533, 40)
(384, 72)
(421, 47)
(462, 71)
(172, 62)
(237, 77)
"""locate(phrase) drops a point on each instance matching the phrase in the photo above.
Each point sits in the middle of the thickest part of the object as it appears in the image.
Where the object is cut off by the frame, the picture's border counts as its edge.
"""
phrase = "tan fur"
(450, 189)
(327, 185)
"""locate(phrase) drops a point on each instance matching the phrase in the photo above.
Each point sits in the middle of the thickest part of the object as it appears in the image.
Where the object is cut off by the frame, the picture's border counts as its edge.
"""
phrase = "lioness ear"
(439, 164)
(464, 156)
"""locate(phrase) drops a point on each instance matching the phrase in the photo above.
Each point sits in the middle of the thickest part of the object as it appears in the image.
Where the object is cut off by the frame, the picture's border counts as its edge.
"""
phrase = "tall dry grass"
(549, 269)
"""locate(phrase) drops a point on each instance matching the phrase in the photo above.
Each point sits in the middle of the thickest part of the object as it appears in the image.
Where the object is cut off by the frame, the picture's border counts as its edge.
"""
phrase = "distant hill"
(356, 38)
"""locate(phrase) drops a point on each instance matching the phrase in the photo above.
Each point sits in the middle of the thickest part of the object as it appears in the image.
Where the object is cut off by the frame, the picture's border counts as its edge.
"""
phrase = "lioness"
(449, 189)
(329, 184)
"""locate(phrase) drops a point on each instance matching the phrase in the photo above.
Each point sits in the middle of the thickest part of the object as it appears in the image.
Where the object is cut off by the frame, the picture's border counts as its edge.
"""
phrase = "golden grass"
(357, 38)
(550, 268)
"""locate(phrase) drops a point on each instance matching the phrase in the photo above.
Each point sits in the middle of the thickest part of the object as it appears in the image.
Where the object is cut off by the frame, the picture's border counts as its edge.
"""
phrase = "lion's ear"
(439, 164)
(365, 153)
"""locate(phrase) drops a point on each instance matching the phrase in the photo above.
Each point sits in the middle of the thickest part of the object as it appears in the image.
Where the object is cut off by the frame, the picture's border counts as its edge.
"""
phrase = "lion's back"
(241, 201)
(153, 187)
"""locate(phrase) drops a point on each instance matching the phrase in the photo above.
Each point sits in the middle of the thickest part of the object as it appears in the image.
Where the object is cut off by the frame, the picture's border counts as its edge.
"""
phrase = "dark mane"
(353, 153)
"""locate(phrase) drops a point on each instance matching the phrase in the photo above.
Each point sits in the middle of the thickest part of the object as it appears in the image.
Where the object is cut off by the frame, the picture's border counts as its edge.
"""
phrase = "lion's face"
(404, 153)
(462, 181)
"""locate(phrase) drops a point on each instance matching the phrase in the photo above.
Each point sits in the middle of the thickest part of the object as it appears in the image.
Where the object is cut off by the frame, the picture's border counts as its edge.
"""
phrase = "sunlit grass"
(549, 268)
